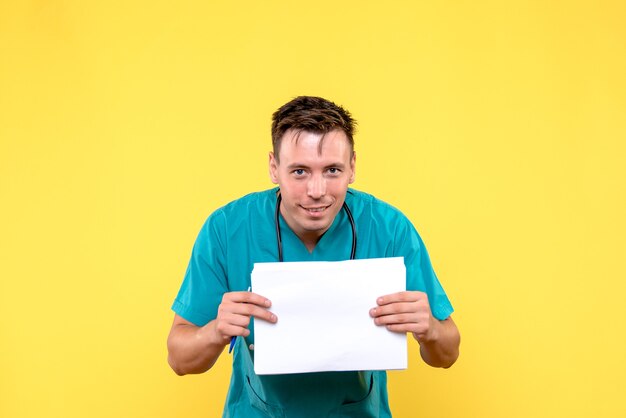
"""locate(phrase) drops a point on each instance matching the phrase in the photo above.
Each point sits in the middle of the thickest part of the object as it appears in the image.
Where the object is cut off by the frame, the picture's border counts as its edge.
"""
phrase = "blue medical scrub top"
(243, 233)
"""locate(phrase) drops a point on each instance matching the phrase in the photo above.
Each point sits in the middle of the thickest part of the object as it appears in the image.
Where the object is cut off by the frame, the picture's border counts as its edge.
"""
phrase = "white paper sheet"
(323, 316)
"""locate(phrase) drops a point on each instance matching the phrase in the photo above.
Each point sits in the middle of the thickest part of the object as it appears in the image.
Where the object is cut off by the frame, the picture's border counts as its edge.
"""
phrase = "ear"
(273, 168)
(352, 166)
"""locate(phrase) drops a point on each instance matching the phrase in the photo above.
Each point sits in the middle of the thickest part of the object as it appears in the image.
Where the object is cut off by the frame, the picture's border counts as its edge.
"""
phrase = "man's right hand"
(233, 314)
(193, 349)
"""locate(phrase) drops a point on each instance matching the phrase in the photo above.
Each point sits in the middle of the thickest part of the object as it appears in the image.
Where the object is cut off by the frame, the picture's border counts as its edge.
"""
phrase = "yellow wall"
(498, 127)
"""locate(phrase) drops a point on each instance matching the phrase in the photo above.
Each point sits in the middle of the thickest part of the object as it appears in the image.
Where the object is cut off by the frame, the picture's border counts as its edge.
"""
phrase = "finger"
(266, 315)
(395, 308)
(237, 320)
(416, 329)
(229, 330)
(397, 319)
(248, 310)
(247, 297)
(405, 296)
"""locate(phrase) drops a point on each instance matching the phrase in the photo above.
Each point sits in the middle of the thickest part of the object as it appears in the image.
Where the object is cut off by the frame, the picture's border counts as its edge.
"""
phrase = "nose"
(316, 187)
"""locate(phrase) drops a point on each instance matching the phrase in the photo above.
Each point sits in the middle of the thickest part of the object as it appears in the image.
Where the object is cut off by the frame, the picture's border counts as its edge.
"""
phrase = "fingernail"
(380, 300)
(268, 303)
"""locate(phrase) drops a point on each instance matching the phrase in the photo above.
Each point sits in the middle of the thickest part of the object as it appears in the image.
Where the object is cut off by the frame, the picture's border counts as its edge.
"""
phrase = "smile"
(316, 210)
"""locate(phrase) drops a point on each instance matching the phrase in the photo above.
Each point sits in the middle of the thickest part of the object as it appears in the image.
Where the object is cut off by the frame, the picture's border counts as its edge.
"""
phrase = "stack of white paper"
(323, 316)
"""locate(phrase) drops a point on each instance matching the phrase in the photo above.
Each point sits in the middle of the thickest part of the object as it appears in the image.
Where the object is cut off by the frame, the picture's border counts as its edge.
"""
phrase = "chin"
(320, 226)
(316, 226)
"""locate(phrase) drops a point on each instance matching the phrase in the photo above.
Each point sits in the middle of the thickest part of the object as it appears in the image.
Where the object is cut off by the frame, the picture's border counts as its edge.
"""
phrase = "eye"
(298, 172)
(334, 170)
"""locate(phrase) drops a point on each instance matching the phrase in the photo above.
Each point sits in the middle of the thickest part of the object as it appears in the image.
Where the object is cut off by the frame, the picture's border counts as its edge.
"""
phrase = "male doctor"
(312, 215)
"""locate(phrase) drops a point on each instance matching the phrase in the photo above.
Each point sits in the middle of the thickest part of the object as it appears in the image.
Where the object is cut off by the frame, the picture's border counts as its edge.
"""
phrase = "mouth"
(315, 211)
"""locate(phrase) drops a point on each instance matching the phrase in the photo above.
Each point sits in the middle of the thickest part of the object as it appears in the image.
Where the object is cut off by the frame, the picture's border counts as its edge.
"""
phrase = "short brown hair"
(311, 114)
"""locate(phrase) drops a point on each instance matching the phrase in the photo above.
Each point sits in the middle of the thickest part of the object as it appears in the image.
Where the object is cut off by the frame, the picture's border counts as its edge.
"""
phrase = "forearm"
(442, 348)
(192, 349)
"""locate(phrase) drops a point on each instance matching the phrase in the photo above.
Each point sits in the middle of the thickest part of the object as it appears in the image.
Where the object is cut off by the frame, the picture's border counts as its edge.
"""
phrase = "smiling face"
(313, 180)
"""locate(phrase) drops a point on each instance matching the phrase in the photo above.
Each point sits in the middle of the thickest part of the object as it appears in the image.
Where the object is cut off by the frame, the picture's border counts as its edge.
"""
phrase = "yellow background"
(497, 127)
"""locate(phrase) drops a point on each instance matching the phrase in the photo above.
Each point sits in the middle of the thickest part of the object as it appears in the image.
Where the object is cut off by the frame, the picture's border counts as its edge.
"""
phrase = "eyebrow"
(294, 166)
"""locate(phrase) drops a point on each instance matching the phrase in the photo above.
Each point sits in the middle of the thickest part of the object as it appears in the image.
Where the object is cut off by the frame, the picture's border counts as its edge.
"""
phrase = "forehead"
(299, 144)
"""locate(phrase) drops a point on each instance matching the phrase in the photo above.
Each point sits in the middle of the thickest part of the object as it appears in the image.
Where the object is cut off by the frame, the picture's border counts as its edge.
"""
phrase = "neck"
(309, 242)
(308, 238)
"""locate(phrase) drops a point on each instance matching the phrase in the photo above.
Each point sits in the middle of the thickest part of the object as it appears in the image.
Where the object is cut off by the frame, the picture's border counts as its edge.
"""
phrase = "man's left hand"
(407, 311)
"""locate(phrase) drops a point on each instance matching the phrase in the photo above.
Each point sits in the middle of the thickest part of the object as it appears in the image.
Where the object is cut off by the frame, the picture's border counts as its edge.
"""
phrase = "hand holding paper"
(405, 312)
(233, 314)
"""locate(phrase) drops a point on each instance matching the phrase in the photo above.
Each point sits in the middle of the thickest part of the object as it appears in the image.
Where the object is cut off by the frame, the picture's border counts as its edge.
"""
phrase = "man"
(304, 219)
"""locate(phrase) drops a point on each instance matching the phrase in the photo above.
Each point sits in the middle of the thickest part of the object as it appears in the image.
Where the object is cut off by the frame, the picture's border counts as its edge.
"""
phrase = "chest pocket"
(257, 402)
(253, 389)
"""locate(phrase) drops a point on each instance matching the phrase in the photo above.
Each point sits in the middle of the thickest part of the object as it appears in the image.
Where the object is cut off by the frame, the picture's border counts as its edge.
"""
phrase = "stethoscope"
(279, 236)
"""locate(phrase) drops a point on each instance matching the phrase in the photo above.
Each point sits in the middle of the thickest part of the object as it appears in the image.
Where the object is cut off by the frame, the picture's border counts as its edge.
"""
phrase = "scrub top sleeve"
(206, 277)
(420, 274)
